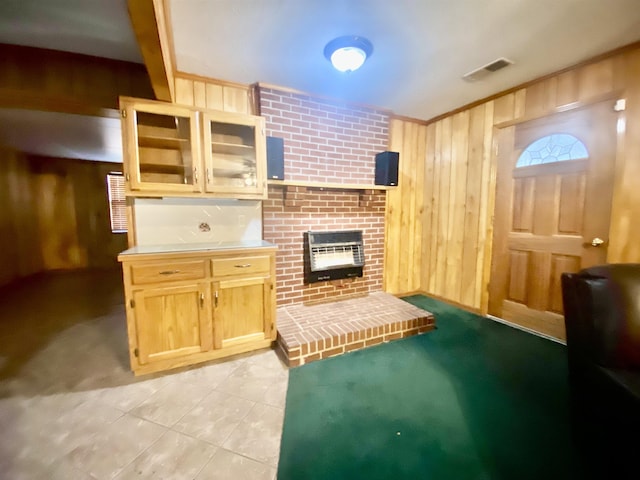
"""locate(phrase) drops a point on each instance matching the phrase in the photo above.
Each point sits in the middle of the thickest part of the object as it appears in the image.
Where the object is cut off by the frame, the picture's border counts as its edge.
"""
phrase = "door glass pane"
(558, 147)
(164, 149)
(233, 153)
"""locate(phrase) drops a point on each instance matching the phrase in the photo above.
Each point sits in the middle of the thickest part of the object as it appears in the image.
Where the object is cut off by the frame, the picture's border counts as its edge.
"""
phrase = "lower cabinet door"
(242, 309)
(172, 321)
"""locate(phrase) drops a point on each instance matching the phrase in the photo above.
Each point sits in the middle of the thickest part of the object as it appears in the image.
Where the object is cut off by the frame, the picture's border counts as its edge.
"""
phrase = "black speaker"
(275, 158)
(387, 168)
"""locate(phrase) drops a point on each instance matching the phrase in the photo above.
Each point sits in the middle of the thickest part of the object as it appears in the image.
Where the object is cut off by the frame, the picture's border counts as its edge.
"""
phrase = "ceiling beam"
(149, 20)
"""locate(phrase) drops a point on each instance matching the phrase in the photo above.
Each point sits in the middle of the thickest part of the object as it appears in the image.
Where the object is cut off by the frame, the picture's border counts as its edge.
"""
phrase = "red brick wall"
(324, 142)
(285, 225)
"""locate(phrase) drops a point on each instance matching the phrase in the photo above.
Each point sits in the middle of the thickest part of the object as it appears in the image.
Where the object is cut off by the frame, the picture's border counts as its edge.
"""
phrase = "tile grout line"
(241, 420)
(189, 410)
(115, 477)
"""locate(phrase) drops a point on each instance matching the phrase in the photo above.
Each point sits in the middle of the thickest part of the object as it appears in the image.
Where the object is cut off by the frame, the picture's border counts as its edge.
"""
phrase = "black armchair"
(602, 319)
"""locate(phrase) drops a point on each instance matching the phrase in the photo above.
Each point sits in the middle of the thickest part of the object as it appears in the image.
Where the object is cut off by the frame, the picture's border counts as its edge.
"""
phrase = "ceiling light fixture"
(348, 53)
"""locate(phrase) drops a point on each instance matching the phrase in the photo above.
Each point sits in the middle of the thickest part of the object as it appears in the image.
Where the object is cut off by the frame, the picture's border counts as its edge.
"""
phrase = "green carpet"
(473, 399)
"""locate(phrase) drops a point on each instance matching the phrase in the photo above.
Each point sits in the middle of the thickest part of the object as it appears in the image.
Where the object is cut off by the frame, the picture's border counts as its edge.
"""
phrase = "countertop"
(196, 247)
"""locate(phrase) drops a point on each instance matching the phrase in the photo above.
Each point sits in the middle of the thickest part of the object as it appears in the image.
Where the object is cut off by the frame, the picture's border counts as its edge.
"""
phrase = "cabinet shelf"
(231, 148)
(163, 168)
(230, 172)
(148, 141)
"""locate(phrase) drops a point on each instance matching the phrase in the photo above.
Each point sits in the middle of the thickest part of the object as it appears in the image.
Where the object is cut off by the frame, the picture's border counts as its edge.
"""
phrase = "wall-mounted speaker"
(387, 168)
(275, 158)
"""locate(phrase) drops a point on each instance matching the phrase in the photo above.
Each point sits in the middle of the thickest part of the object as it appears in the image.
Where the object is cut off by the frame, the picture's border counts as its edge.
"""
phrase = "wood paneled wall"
(407, 205)
(439, 219)
(20, 254)
(73, 213)
(204, 92)
(42, 79)
(624, 234)
(54, 215)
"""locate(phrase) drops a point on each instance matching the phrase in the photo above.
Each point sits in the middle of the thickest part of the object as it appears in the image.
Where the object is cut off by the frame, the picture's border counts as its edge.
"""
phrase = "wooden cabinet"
(183, 151)
(170, 271)
(161, 147)
(242, 310)
(189, 307)
(234, 153)
(242, 291)
(172, 321)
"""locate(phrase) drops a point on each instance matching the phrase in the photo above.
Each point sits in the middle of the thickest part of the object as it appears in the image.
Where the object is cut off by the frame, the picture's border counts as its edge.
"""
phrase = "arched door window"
(557, 147)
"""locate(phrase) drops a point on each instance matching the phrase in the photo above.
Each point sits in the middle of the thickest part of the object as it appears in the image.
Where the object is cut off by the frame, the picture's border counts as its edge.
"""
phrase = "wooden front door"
(552, 212)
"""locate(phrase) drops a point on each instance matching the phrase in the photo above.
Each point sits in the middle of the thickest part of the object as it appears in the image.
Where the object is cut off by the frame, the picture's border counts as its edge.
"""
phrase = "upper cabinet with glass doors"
(234, 152)
(172, 150)
(161, 147)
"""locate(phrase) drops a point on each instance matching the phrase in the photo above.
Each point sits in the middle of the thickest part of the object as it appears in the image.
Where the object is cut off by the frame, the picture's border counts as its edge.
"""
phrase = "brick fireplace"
(329, 142)
(285, 225)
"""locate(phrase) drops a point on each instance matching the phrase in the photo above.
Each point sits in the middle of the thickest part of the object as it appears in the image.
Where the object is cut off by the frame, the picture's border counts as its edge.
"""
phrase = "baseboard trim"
(441, 299)
(524, 329)
(478, 312)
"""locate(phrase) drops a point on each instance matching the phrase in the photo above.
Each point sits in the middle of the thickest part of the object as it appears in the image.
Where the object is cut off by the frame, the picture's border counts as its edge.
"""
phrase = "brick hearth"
(311, 332)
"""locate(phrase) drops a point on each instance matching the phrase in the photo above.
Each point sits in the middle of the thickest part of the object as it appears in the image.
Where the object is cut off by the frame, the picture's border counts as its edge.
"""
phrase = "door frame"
(499, 236)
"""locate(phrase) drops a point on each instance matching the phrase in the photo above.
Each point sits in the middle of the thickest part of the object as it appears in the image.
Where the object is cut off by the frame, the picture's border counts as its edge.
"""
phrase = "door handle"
(596, 242)
(169, 272)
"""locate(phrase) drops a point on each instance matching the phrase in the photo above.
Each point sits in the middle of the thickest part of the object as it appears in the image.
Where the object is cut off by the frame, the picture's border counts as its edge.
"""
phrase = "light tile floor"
(71, 409)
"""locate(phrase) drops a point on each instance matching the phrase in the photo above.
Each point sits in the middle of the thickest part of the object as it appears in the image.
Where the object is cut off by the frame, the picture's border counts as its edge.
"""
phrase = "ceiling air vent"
(482, 72)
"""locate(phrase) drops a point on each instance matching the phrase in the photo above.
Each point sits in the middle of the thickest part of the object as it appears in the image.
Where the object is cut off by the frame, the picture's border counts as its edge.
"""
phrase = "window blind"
(117, 202)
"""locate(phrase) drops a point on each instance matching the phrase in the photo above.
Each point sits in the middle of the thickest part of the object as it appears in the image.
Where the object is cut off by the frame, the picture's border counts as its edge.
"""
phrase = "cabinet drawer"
(168, 271)
(240, 265)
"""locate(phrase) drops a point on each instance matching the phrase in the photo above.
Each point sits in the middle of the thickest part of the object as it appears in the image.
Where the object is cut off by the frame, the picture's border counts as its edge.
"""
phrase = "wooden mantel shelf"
(330, 186)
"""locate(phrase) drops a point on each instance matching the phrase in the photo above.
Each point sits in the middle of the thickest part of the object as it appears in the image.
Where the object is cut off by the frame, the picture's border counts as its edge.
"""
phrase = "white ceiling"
(421, 47)
(93, 27)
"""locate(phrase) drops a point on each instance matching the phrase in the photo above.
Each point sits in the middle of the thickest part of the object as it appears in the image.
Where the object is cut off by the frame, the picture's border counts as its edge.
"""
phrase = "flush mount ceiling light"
(348, 53)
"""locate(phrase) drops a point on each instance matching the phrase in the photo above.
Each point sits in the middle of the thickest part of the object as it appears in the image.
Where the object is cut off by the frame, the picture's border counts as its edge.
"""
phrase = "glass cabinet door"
(235, 156)
(164, 146)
